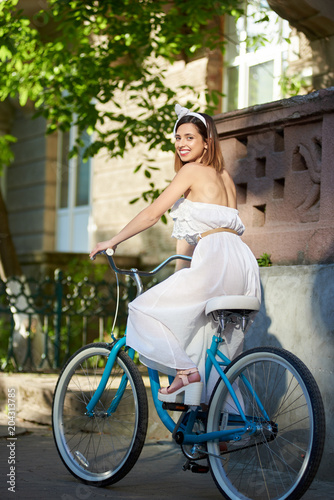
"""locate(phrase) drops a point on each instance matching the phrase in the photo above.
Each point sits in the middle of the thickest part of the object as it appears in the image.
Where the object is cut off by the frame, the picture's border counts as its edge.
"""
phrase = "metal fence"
(44, 322)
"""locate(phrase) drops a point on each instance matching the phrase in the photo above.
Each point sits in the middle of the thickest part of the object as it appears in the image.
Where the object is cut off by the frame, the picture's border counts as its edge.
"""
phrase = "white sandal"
(189, 394)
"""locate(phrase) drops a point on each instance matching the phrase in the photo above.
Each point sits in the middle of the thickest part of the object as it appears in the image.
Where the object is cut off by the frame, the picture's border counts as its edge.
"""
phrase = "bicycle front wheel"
(102, 448)
(280, 454)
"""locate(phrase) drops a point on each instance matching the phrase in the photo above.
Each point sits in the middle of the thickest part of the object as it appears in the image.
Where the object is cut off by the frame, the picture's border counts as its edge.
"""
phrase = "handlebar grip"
(109, 251)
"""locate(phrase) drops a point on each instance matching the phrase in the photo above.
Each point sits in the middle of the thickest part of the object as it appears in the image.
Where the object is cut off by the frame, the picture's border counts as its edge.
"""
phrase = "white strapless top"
(193, 217)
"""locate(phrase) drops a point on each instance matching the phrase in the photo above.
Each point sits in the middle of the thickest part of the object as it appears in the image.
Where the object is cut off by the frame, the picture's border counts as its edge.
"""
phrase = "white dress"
(167, 324)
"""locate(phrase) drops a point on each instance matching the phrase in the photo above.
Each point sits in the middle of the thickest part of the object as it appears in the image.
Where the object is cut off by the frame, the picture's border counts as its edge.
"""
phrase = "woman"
(167, 325)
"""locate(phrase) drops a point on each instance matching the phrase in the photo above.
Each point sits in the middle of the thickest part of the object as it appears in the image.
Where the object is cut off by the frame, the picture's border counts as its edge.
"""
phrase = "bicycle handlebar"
(134, 272)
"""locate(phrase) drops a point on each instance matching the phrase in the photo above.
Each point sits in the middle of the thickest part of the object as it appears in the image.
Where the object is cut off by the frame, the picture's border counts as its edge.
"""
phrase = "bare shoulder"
(193, 170)
(193, 165)
(187, 168)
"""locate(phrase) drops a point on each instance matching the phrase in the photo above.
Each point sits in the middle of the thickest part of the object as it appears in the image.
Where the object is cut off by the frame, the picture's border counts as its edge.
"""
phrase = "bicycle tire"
(281, 459)
(99, 450)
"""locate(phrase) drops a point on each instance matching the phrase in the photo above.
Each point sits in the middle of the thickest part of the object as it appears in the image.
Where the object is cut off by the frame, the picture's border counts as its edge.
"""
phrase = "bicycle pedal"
(195, 467)
(175, 406)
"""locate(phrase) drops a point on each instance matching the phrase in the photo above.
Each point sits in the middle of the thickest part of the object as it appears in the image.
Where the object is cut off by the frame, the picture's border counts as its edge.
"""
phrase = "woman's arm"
(151, 214)
(183, 248)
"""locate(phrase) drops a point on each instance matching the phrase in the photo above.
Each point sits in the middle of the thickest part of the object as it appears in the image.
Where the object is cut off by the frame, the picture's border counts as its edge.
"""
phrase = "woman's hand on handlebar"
(99, 247)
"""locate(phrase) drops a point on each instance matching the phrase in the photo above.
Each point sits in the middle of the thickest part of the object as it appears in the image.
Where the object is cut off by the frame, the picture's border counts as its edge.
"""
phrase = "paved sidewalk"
(158, 474)
(41, 474)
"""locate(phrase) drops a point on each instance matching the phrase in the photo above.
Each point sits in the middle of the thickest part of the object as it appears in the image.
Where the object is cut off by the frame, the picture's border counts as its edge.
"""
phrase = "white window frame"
(73, 222)
(246, 60)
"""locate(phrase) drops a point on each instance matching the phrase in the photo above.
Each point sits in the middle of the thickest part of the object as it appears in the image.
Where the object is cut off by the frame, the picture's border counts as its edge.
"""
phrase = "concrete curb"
(34, 395)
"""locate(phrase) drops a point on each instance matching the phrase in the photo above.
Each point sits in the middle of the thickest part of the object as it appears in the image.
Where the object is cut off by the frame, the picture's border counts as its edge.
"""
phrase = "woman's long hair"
(213, 155)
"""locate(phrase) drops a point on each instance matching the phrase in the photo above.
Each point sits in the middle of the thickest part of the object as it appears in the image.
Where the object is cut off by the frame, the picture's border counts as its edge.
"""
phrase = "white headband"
(181, 112)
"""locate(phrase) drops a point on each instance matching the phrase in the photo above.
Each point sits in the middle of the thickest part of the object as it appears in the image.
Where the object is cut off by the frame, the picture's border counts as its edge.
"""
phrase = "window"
(252, 72)
(73, 195)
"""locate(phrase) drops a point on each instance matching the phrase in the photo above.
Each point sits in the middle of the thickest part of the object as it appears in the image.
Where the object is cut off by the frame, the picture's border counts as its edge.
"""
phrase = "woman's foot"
(182, 378)
(186, 388)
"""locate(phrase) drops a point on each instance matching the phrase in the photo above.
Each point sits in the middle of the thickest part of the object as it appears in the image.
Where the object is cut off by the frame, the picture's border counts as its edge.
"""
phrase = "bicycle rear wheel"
(280, 459)
(99, 449)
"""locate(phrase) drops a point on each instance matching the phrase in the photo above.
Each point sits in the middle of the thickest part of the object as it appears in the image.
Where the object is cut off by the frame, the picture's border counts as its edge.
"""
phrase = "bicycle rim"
(102, 448)
(280, 459)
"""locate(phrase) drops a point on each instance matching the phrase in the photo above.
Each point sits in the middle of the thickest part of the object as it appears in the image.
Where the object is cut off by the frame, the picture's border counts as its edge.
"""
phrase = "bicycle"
(261, 436)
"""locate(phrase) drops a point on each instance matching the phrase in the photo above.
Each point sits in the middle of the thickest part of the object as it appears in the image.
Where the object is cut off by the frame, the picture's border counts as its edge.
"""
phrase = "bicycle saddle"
(232, 303)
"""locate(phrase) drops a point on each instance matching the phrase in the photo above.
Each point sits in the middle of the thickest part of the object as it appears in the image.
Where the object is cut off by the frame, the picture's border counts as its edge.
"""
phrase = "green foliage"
(264, 260)
(5, 329)
(80, 269)
(292, 85)
(74, 57)
(259, 12)
(6, 154)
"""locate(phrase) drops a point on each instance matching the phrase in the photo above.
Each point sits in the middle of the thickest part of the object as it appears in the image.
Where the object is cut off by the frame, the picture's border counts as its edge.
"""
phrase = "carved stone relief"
(260, 175)
(307, 156)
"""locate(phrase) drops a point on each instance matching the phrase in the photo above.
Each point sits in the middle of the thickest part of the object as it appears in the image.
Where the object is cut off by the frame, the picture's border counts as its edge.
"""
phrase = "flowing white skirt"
(167, 324)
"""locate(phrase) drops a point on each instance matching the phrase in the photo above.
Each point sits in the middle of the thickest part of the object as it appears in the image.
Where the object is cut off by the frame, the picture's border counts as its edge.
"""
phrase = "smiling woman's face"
(189, 143)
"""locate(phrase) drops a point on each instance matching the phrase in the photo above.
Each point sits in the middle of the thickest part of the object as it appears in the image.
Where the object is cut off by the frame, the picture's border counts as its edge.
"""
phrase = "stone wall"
(297, 313)
(31, 186)
(280, 155)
